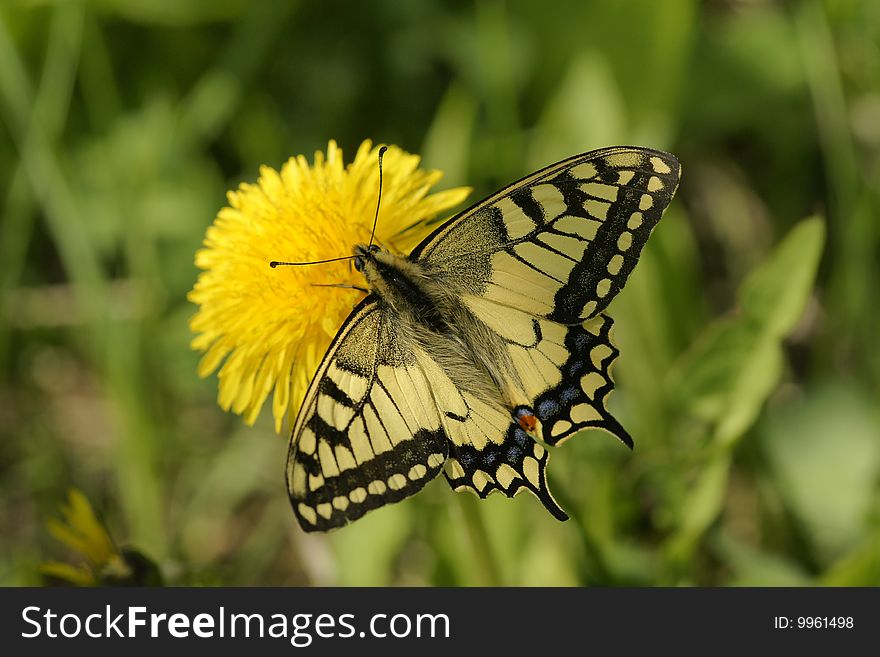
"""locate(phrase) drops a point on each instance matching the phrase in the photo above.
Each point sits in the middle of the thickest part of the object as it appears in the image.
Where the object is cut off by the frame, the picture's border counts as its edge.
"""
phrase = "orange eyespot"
(527, 422)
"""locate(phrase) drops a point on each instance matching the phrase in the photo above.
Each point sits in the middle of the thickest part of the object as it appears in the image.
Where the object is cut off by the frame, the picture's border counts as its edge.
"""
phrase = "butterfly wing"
(561, 242)
(368, 433)
(536, 264)
(565, 373)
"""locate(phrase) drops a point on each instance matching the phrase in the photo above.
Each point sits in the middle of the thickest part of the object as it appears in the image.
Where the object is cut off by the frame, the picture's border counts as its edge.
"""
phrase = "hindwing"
(564, 379)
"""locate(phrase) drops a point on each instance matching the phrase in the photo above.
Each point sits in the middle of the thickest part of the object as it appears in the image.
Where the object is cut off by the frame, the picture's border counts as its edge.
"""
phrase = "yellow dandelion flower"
(267, 329)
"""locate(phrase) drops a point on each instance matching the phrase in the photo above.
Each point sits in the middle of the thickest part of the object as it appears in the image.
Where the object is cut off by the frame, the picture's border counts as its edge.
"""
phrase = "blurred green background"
(749, 375)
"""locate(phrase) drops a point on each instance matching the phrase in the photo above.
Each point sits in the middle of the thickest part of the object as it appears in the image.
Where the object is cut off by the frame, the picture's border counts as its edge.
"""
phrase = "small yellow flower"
(104, 564)
(267, 329)
(83, 533)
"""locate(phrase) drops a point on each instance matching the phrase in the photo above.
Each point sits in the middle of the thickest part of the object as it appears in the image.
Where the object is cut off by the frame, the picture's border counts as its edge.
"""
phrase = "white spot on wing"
(560, 427)
(505, 475)
(417, 472)
(307, 513)
(591, 382)
(531, 470)
(597, 209)
(396, 481)
(615, 264)
(584, 413)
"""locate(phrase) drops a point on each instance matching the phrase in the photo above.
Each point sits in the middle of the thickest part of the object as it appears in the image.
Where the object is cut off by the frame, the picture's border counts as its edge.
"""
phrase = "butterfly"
(485, 346)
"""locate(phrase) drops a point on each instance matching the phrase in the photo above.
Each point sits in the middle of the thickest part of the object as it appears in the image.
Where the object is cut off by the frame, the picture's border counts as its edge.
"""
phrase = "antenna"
(378, 202)
(277, 263)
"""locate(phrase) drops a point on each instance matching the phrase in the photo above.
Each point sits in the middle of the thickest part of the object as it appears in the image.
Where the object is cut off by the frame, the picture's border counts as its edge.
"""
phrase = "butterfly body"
(426, 308)
(482, 347)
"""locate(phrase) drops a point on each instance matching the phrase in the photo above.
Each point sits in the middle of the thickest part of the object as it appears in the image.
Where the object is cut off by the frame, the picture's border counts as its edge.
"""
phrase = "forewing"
(560, 243)
(368, 433)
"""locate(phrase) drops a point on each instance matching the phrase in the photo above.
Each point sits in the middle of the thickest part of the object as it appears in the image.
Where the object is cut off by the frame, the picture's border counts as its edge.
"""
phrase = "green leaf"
(775, 294)
(732, 369)
(705, 375)
(860, 567)
(758, 376)
(700, 510)
(753, 566)
(824, 455)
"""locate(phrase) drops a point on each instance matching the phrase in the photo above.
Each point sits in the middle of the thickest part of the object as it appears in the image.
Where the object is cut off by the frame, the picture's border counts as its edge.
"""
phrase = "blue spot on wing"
(569, 395)
(580, 340)
(547, 408)
(575, 367)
